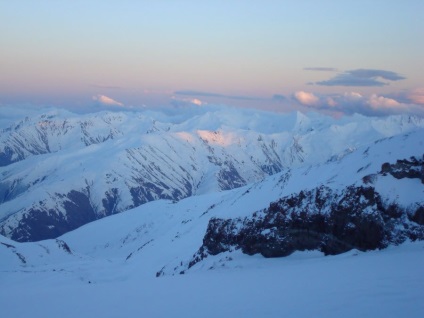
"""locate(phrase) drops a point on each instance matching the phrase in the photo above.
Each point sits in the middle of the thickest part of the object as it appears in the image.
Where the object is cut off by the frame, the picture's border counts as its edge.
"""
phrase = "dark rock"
(41, 223)
(7, 245)
(404, 168)
(418, 216)
(319, 219)
(111, 201)
(62, 245)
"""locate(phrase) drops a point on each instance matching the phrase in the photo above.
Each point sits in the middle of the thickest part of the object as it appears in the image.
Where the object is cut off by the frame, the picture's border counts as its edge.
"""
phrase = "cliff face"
(324, 219)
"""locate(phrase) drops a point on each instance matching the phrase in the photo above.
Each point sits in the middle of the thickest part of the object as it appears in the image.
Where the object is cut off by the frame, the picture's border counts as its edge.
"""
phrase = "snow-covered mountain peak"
(217, 138)
(78, 168)
(219, 195)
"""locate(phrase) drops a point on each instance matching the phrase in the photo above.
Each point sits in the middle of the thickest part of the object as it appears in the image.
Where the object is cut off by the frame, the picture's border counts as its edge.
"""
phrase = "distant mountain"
(61, 170)
(368, 199)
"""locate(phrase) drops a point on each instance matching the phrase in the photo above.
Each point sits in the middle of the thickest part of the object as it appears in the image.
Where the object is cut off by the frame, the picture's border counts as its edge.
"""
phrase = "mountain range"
(211, 211)
(61, 170)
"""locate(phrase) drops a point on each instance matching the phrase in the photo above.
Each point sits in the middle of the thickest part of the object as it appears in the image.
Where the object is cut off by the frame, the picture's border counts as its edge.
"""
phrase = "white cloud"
(352, 96)
(181, 102)
(107, 101)
(197, 102)
(306, 98)
(376, 102)
(353, 102)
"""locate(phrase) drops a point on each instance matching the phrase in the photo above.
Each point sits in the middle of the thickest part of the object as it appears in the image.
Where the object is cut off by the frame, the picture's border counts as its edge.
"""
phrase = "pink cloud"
(306, 98)
(187, 101)
(107, 101)
(376, 101)
(353, 102)
(417, 96)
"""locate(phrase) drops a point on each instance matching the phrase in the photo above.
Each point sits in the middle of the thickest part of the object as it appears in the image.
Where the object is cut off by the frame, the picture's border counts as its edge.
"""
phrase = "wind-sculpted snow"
(61, 170)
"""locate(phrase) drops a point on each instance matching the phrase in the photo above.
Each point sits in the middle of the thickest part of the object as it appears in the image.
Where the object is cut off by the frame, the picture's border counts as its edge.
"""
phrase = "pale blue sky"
(142, 52)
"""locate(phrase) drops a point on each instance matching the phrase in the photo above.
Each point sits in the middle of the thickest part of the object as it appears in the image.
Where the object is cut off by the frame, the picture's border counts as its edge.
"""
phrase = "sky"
(332, 56)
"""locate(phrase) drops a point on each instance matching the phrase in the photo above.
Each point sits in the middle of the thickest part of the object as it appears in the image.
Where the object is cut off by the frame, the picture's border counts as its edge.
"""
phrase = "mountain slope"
(142, 252)
(61, 170)
(165, 237)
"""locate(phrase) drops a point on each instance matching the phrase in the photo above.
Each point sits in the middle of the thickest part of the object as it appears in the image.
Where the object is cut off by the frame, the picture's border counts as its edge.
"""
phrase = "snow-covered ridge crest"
(60, 170)
(367, 197)
(366, 190)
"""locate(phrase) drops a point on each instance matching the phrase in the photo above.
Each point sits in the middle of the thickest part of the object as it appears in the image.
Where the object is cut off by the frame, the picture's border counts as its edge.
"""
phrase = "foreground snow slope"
(386, 283)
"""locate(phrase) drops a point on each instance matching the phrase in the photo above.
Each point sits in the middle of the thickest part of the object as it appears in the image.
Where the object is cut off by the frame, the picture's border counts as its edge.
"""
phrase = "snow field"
(386, 283)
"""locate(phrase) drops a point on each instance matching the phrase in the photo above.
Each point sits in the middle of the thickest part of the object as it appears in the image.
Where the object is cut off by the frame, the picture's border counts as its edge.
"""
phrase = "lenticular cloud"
(362, 77)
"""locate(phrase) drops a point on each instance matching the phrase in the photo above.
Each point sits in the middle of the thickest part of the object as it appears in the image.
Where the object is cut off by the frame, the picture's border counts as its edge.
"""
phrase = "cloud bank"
(353, 102)
(362, 77)
(347, 103)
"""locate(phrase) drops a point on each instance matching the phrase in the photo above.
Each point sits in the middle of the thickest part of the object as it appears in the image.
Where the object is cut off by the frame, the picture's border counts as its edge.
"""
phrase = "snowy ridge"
(143, 252)
(168, 233)
(62, 170)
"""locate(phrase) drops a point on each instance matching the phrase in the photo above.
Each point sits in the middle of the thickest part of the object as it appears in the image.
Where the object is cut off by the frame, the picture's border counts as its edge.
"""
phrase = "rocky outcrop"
(40, 222)
(412, 168)
(320, 219)
(418, 216)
